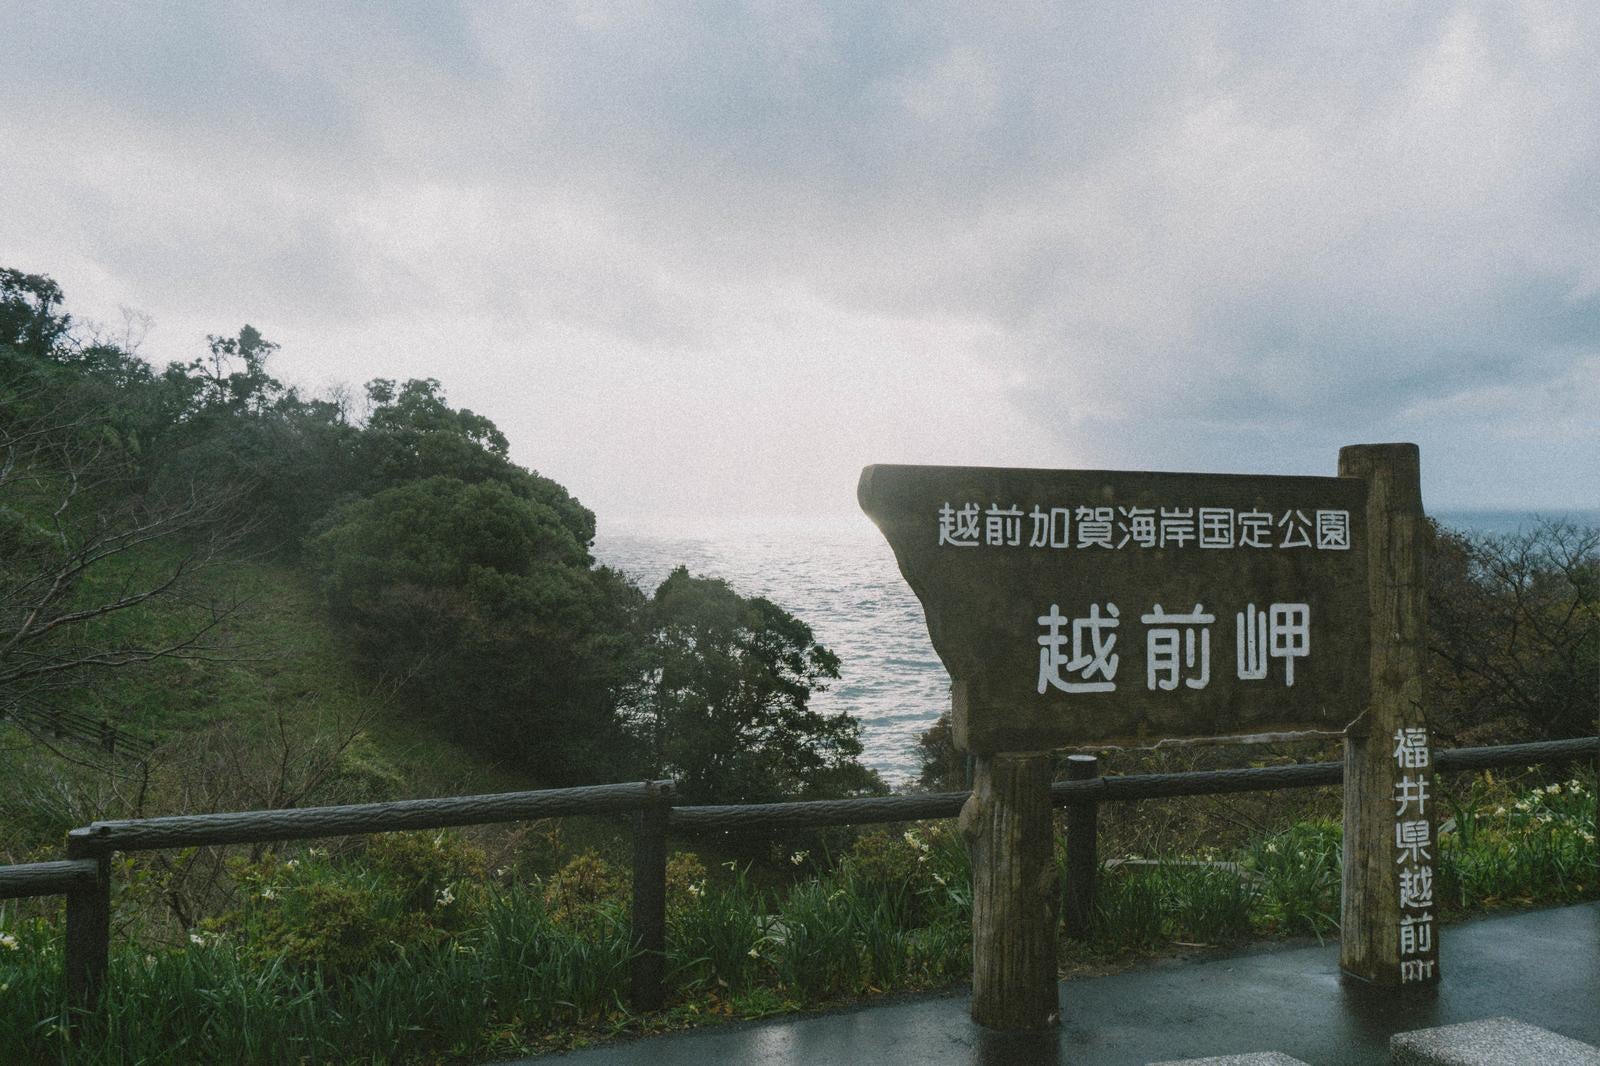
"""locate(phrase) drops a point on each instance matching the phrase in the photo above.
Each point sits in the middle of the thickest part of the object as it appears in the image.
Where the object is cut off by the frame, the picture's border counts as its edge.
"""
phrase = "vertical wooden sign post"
(1015, 897)
(1388, 932)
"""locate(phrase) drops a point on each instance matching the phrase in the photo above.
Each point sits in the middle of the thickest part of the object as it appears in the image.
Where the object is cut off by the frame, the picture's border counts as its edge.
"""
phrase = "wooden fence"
(85, 877)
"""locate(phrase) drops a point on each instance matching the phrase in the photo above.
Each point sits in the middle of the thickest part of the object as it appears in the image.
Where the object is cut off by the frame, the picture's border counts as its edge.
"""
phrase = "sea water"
(840, 578)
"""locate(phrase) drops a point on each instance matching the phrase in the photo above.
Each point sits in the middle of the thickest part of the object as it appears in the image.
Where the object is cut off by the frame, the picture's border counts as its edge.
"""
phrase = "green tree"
(726, 706)
(224, 416)
(411, 433)
(486, 602)
(941, 765)
(30, 322)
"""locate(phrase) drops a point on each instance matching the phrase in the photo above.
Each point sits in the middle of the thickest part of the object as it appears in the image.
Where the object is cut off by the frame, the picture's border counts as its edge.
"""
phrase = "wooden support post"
(1015, 892)
(88, 924)
(650, 898)
(1389, 929)
(1082, 849)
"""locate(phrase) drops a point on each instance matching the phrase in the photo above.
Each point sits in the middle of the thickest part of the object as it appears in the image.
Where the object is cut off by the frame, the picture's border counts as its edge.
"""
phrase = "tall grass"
(1299, 872)
(1138, 907)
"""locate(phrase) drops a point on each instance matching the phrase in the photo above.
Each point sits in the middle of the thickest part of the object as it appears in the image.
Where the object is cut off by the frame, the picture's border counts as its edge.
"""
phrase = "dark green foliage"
(411, 434)
(29, 321)
(714, 932)
(459, 965)
(408, 889)
(1299, 872)
(486, 600)
(942, 767)
(727, 709)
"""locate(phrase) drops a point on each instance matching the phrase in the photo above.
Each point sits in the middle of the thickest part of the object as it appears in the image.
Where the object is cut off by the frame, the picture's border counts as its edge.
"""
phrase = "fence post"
(88, 925)
(1082, 849)
(650, 897)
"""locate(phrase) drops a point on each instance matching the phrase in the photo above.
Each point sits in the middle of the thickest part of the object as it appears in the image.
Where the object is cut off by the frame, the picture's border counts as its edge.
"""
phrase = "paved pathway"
(1542, 967)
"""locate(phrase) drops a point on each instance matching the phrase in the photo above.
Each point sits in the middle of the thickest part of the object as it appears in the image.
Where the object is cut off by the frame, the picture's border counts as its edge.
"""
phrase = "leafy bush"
(583, 890)
(914, 877)
(408, 889)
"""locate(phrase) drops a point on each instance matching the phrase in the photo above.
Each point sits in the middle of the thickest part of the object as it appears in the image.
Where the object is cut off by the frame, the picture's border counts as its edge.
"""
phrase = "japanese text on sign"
(1081, 606)
(1078, 654)
(1115, 528)
(1413, 843)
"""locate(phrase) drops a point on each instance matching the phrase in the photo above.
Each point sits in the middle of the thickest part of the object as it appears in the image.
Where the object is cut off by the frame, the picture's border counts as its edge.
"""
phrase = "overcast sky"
(711, 259)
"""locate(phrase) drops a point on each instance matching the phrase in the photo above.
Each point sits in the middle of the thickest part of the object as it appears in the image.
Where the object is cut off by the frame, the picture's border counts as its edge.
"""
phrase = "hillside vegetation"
(219, 592)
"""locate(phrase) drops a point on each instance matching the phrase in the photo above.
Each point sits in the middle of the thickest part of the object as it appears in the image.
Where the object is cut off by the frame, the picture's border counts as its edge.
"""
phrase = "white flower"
(446, 897)
(268, 893)
(501, 872)
(8, 942)
(291, 864)
(799, 857)
(753, 953)
(196, 938)
(938, 878)
(697, 889)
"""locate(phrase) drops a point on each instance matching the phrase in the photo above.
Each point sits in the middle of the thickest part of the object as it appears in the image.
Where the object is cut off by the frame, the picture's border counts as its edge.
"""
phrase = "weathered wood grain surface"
(88, 939)
(1016, 893)
(46, 878)
(650, 900)
(1370, 911)
(249, 827)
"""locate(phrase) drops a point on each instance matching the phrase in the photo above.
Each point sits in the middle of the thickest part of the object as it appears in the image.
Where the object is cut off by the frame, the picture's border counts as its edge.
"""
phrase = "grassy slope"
(276, 654)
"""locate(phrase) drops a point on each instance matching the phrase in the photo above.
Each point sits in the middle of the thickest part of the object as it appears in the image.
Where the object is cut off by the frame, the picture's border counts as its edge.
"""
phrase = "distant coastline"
(1507, 522)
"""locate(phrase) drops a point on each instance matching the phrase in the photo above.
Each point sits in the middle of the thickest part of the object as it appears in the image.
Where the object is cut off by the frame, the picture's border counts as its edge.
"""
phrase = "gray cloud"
(671, 248)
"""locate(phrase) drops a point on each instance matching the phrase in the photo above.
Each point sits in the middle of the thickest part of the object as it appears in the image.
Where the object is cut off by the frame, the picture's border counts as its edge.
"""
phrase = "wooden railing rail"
(261, 827)
(55, 878)
(85, 878)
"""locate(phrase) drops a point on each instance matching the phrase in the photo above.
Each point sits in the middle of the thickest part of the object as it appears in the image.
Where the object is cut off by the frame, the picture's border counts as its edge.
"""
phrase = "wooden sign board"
(1077, 607)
